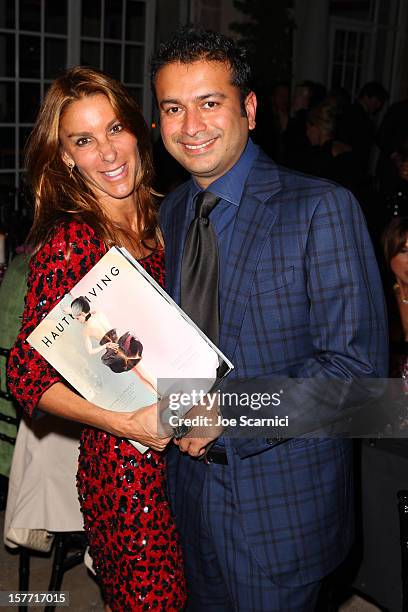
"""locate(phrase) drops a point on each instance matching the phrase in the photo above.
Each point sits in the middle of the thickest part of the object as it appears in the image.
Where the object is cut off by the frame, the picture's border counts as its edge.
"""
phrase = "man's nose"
(193, 122)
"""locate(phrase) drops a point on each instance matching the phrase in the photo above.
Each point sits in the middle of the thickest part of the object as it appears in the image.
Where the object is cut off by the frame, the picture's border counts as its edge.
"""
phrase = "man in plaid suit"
(300, 295)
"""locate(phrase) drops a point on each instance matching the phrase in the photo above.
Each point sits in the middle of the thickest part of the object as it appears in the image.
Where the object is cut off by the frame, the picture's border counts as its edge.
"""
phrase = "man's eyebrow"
(214, 94)
(169, 101)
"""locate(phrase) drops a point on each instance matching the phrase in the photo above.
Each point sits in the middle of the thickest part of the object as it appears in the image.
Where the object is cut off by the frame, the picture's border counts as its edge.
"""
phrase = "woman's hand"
(144, 426)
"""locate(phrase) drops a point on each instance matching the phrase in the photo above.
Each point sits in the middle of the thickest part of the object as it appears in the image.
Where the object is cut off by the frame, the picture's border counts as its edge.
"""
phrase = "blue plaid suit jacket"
(301, 296)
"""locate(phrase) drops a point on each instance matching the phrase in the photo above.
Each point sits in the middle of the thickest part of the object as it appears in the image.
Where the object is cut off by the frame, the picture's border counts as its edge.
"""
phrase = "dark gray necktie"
(200, 269)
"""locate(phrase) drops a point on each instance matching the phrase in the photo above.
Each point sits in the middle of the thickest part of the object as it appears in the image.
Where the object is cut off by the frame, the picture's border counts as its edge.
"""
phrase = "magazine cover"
(120, 340)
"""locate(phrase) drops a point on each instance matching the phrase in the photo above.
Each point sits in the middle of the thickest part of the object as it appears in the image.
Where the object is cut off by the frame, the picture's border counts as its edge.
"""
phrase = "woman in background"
(395, 244)
(90, 169)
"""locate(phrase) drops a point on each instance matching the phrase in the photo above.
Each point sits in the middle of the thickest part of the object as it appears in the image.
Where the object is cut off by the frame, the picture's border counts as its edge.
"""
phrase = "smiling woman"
(89, 156)
(101, 149)
(89, 164)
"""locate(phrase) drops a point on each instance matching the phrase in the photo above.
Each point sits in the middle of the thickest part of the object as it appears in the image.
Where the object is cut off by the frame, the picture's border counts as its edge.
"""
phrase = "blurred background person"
(395, 245)
(307, 94)
(340, 99)
(272, 120)
(12, 291)
(357, 127)
(328, 157)
(391, 133)
(393, 183)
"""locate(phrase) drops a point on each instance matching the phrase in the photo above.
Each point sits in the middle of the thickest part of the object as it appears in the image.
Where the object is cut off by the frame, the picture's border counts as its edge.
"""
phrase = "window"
(33, 50)
(113, 39)
(364, 37)
(349, 59)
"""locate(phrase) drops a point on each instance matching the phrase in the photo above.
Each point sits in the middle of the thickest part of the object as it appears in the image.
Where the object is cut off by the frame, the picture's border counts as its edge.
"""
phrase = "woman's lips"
(113, 175)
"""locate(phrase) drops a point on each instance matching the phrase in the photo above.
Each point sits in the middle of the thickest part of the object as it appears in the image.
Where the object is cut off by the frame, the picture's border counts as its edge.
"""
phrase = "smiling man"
(292, 289)
(204, 123)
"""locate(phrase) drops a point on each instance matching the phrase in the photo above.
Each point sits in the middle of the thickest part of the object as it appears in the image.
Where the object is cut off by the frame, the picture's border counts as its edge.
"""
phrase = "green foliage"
(267, 34)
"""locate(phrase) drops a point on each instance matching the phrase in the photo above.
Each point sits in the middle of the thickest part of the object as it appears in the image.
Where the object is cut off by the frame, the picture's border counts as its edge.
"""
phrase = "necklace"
(397, 287)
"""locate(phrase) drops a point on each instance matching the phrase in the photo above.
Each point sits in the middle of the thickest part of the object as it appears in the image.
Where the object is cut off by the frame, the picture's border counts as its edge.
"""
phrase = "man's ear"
(250, 109)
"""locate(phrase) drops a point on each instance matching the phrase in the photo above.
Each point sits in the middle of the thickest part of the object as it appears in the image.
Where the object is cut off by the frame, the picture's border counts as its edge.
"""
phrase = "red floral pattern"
(132, 537)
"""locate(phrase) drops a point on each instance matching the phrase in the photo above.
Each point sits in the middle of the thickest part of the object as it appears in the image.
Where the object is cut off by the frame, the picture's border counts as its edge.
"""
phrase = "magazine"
(120, 340)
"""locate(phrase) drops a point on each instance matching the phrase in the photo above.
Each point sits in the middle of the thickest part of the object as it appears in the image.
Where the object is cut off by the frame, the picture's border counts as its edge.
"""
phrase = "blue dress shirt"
(229, 188)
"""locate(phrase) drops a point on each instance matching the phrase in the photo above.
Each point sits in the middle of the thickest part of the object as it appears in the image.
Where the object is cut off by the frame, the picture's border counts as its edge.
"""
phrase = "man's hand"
(196, 441)
(143, 426)
(195, 446)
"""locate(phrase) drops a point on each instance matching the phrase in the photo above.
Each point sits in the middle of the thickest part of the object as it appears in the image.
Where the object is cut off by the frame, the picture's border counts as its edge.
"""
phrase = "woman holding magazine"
(90, 169)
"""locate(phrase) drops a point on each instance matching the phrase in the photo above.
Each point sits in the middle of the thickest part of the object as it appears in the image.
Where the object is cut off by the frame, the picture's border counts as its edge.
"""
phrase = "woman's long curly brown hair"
(59, 197)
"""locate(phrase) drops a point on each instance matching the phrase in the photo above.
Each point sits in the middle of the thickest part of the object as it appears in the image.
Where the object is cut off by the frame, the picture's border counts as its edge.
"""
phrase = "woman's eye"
(118, 127)
(82, 141)
(173, 110)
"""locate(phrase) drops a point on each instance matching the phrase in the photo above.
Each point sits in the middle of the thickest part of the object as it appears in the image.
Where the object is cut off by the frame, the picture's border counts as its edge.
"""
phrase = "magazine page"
(222, 359)
(119, 341)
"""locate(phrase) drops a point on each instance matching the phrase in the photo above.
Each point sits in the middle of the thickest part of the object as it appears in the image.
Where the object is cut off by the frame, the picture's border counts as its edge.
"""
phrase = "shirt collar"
(230, 185)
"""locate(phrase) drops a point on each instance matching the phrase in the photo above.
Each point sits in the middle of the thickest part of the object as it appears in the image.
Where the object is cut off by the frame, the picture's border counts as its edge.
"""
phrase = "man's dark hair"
(190, 44)
(373, 89)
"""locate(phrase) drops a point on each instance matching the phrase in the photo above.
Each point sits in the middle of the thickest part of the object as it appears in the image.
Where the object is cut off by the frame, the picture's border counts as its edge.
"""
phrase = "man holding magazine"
(278, 269)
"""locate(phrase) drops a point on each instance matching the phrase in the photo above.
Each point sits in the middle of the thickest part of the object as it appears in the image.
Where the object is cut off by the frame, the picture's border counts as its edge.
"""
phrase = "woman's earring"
(71, 167)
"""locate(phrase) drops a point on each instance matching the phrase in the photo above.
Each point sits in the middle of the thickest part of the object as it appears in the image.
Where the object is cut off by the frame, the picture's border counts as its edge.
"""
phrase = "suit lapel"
(174, 234)
(255, 218)
(253, 223)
